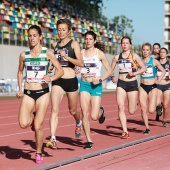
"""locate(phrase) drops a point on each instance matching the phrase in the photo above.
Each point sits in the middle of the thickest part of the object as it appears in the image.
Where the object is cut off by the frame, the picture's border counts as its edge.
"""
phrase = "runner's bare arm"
(140, 64)
(59, 70)
(79, 60)
(20, 74)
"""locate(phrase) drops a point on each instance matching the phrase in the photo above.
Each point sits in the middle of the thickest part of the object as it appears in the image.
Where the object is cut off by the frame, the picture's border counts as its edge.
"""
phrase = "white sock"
(79, 123)
(53, 137)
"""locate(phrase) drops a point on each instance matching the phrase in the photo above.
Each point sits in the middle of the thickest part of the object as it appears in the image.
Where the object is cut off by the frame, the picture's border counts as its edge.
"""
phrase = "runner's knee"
(94, 117)
(121, 107)
(37, 128)
(73, 112)
(54, 111)
(23, 125)
(132, 111)
(85, 115)
(152, 110)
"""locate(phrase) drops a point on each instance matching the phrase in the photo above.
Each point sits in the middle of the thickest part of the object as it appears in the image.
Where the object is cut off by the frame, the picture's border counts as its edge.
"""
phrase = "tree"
(121, 25)
(138, 49)
(89, 8)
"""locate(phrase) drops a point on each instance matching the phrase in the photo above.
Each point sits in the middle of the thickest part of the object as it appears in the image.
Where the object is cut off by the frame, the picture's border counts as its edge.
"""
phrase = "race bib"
(36, 73)
(89, 70)
(125, 66)
(148, 72)
(63, 61)
(159, 73)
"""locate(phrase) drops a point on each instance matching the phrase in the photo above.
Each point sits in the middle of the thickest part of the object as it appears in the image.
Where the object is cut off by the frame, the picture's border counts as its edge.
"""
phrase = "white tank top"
(36, 68)
(92, 66)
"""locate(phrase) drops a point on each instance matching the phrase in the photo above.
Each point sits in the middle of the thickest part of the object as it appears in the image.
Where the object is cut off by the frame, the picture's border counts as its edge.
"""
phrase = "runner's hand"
(50, 69)
(47, 78)
(19, 94)
(95, 81)
(63, 53)
(113, 78)
(131, 74)
(77, 69)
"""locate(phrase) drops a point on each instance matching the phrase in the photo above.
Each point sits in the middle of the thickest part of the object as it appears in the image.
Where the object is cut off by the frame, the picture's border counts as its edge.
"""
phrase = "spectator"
(43, 7)
(8, 3)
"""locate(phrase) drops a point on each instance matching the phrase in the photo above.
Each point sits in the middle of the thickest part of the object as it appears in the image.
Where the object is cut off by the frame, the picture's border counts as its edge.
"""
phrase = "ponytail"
(100, 45)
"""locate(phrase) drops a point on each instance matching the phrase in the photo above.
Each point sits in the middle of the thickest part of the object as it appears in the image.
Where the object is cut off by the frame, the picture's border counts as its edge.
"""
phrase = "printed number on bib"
(63, 61)
(148, 72)
(125, 66)
(36, 73)
(159, 73)
(89, 70)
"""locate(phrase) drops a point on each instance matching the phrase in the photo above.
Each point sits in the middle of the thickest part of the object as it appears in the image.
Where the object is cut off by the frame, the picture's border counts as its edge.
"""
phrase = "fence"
(10, 86)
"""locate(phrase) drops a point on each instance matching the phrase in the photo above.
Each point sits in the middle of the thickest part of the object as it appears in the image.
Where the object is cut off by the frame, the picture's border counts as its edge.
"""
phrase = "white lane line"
(91, 122)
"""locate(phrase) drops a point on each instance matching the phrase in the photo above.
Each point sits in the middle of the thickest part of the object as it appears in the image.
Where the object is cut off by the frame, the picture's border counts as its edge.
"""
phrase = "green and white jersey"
(36, 68)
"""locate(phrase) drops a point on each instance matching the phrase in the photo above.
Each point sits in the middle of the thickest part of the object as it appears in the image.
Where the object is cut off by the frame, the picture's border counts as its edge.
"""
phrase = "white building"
(167, 25)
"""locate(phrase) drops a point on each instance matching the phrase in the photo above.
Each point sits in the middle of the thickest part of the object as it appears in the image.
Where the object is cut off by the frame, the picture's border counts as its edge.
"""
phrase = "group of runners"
(65, 61)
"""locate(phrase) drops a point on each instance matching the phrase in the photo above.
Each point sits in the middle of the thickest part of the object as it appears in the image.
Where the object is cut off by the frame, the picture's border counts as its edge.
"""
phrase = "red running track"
(151, 155)
(17, 146)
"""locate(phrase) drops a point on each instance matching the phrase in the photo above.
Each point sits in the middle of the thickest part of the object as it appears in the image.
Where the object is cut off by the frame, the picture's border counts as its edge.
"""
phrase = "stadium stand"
(17, 18)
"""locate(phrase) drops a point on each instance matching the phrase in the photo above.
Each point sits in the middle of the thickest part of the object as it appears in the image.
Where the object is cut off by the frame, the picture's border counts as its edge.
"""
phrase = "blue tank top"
(150, 70)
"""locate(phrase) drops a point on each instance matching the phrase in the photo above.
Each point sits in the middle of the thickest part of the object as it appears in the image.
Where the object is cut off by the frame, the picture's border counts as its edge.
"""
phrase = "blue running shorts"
(94, 90)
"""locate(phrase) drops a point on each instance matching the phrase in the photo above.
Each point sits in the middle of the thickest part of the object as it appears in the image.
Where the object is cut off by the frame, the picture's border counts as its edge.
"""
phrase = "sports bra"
(126, 65)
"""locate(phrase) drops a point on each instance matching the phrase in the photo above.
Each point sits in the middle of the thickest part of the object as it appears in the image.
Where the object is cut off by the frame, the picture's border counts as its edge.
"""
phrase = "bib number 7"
(36, 72)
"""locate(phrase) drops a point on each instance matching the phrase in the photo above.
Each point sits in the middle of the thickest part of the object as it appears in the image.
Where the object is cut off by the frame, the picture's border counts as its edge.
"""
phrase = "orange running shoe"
(51, 144)
(125, 135)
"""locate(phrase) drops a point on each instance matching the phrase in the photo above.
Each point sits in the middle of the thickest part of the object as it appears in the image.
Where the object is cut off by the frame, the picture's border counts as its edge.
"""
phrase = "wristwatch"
(100, 80)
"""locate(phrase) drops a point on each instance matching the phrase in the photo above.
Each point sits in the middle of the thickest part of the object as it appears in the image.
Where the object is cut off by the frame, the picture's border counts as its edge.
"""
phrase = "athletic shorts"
(163, 87)
(148, 88)
(93, 90)
(128, 86)
(68, 85)
(35, 94)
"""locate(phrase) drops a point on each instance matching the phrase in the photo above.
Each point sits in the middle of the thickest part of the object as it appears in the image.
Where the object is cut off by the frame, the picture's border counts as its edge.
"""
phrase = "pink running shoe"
(38, 158)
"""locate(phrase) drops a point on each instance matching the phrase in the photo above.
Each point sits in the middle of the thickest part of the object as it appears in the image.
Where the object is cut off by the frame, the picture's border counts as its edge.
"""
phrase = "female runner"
(36, 91)
(128, 63)
(148, 86)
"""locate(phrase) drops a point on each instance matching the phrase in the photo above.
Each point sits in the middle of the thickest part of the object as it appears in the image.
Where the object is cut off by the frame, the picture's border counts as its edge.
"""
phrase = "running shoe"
(78, 131)
(32, 124)
(52, 144)
(88, 145)
(159, 110)
(125, 135)
(102, 117)
(164, 123)
(146, 132)
(38, 158)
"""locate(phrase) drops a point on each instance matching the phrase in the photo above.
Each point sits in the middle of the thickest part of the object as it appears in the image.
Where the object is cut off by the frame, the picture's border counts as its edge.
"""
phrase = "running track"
(17, 146)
